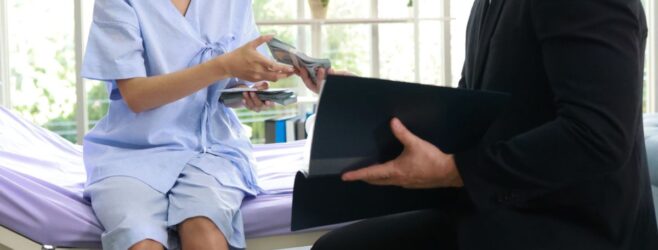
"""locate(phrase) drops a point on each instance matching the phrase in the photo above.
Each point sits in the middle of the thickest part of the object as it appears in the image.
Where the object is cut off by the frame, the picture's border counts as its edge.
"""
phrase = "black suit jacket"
(565, 167)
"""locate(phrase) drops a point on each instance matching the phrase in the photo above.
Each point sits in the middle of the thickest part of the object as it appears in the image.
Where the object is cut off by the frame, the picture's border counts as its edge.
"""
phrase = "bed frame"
(9, 240)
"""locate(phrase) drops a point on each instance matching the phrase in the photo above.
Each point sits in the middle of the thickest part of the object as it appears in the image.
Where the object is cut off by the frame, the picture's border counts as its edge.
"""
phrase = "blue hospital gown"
(138, 38)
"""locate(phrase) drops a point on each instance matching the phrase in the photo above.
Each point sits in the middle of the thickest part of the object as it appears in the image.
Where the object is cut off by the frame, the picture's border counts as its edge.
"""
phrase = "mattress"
(42, 178)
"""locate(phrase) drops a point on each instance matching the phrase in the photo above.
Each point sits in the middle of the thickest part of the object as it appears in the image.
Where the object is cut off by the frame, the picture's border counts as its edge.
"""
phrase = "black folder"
(352, 130)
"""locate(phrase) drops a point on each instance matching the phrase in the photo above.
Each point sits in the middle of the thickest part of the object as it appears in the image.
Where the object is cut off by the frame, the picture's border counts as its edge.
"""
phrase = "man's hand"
(420, 165)
(320, 76)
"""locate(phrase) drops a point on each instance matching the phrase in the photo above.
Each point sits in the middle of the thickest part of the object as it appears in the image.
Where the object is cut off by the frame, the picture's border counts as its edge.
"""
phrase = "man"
(563, 168)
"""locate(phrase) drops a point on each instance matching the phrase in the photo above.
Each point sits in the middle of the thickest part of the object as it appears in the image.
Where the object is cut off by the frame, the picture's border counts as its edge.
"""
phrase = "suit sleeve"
(592, 52)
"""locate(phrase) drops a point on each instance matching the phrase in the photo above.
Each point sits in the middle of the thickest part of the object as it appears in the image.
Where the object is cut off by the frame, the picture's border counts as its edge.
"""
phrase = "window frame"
(81, 112)
(373, 20)
(651, 8)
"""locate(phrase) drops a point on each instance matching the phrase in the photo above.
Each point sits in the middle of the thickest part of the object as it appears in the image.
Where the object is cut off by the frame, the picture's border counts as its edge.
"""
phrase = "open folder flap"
(328, 200)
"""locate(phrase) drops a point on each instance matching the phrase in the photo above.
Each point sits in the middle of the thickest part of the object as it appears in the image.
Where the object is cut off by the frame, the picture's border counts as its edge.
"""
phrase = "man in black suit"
(563, 168)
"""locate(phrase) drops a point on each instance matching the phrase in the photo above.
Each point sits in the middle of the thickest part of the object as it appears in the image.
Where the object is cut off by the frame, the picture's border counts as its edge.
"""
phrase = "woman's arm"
(246, 63)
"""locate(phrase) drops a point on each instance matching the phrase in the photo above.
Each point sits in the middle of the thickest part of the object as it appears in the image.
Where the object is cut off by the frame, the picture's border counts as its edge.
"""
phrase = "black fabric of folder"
(328, 200)
(352, 127)
(352, 130)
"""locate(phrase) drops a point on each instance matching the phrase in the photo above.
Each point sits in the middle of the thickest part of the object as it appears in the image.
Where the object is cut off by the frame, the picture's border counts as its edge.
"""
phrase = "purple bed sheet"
(42, 178)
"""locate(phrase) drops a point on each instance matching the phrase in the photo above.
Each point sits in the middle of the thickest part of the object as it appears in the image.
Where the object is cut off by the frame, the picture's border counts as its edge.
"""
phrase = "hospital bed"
(42, 176)
(41, 184)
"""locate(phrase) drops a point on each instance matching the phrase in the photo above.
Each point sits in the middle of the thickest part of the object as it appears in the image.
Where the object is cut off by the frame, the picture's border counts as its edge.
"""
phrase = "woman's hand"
(320, 76)
(248, 64)
(251, 100)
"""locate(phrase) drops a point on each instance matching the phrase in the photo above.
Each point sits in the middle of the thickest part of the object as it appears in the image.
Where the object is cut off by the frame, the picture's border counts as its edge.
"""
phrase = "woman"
(169, 165)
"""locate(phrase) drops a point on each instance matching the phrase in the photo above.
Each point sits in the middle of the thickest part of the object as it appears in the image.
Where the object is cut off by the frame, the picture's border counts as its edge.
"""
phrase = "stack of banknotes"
(287, 54)
(281, 96)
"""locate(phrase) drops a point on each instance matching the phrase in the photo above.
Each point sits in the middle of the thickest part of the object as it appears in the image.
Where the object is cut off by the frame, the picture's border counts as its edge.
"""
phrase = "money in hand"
(287, 54)
(281, 96)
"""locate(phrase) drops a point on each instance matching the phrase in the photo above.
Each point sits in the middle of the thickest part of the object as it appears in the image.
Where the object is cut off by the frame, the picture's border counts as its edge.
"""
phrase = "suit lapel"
(484, 34)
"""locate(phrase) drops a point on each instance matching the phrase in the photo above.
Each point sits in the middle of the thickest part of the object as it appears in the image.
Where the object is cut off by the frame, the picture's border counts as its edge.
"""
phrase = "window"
(374, 38)
(42, 63)
(424, 43)
(651, 60)
(94, 93)
(4, 57)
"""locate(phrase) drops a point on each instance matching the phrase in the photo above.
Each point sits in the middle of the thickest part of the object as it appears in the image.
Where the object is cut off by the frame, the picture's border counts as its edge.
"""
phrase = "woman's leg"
(133, 214)
(147, 245)
(427, 229)
(205, 213)
(201, 233)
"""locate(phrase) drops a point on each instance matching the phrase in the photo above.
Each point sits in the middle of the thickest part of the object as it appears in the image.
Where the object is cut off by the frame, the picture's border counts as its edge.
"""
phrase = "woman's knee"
(201, 232)
(147, 245)
(198, 224)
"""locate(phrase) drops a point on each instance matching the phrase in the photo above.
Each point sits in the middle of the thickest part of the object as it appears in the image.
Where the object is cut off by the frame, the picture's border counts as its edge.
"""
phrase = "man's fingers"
(402, 133)
(320, 75)
(302, 73)
(372, 173)
(260, 41)
(306, 79)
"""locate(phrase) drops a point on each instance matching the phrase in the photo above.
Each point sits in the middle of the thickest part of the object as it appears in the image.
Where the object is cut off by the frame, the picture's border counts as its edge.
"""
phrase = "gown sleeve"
(115, 47)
